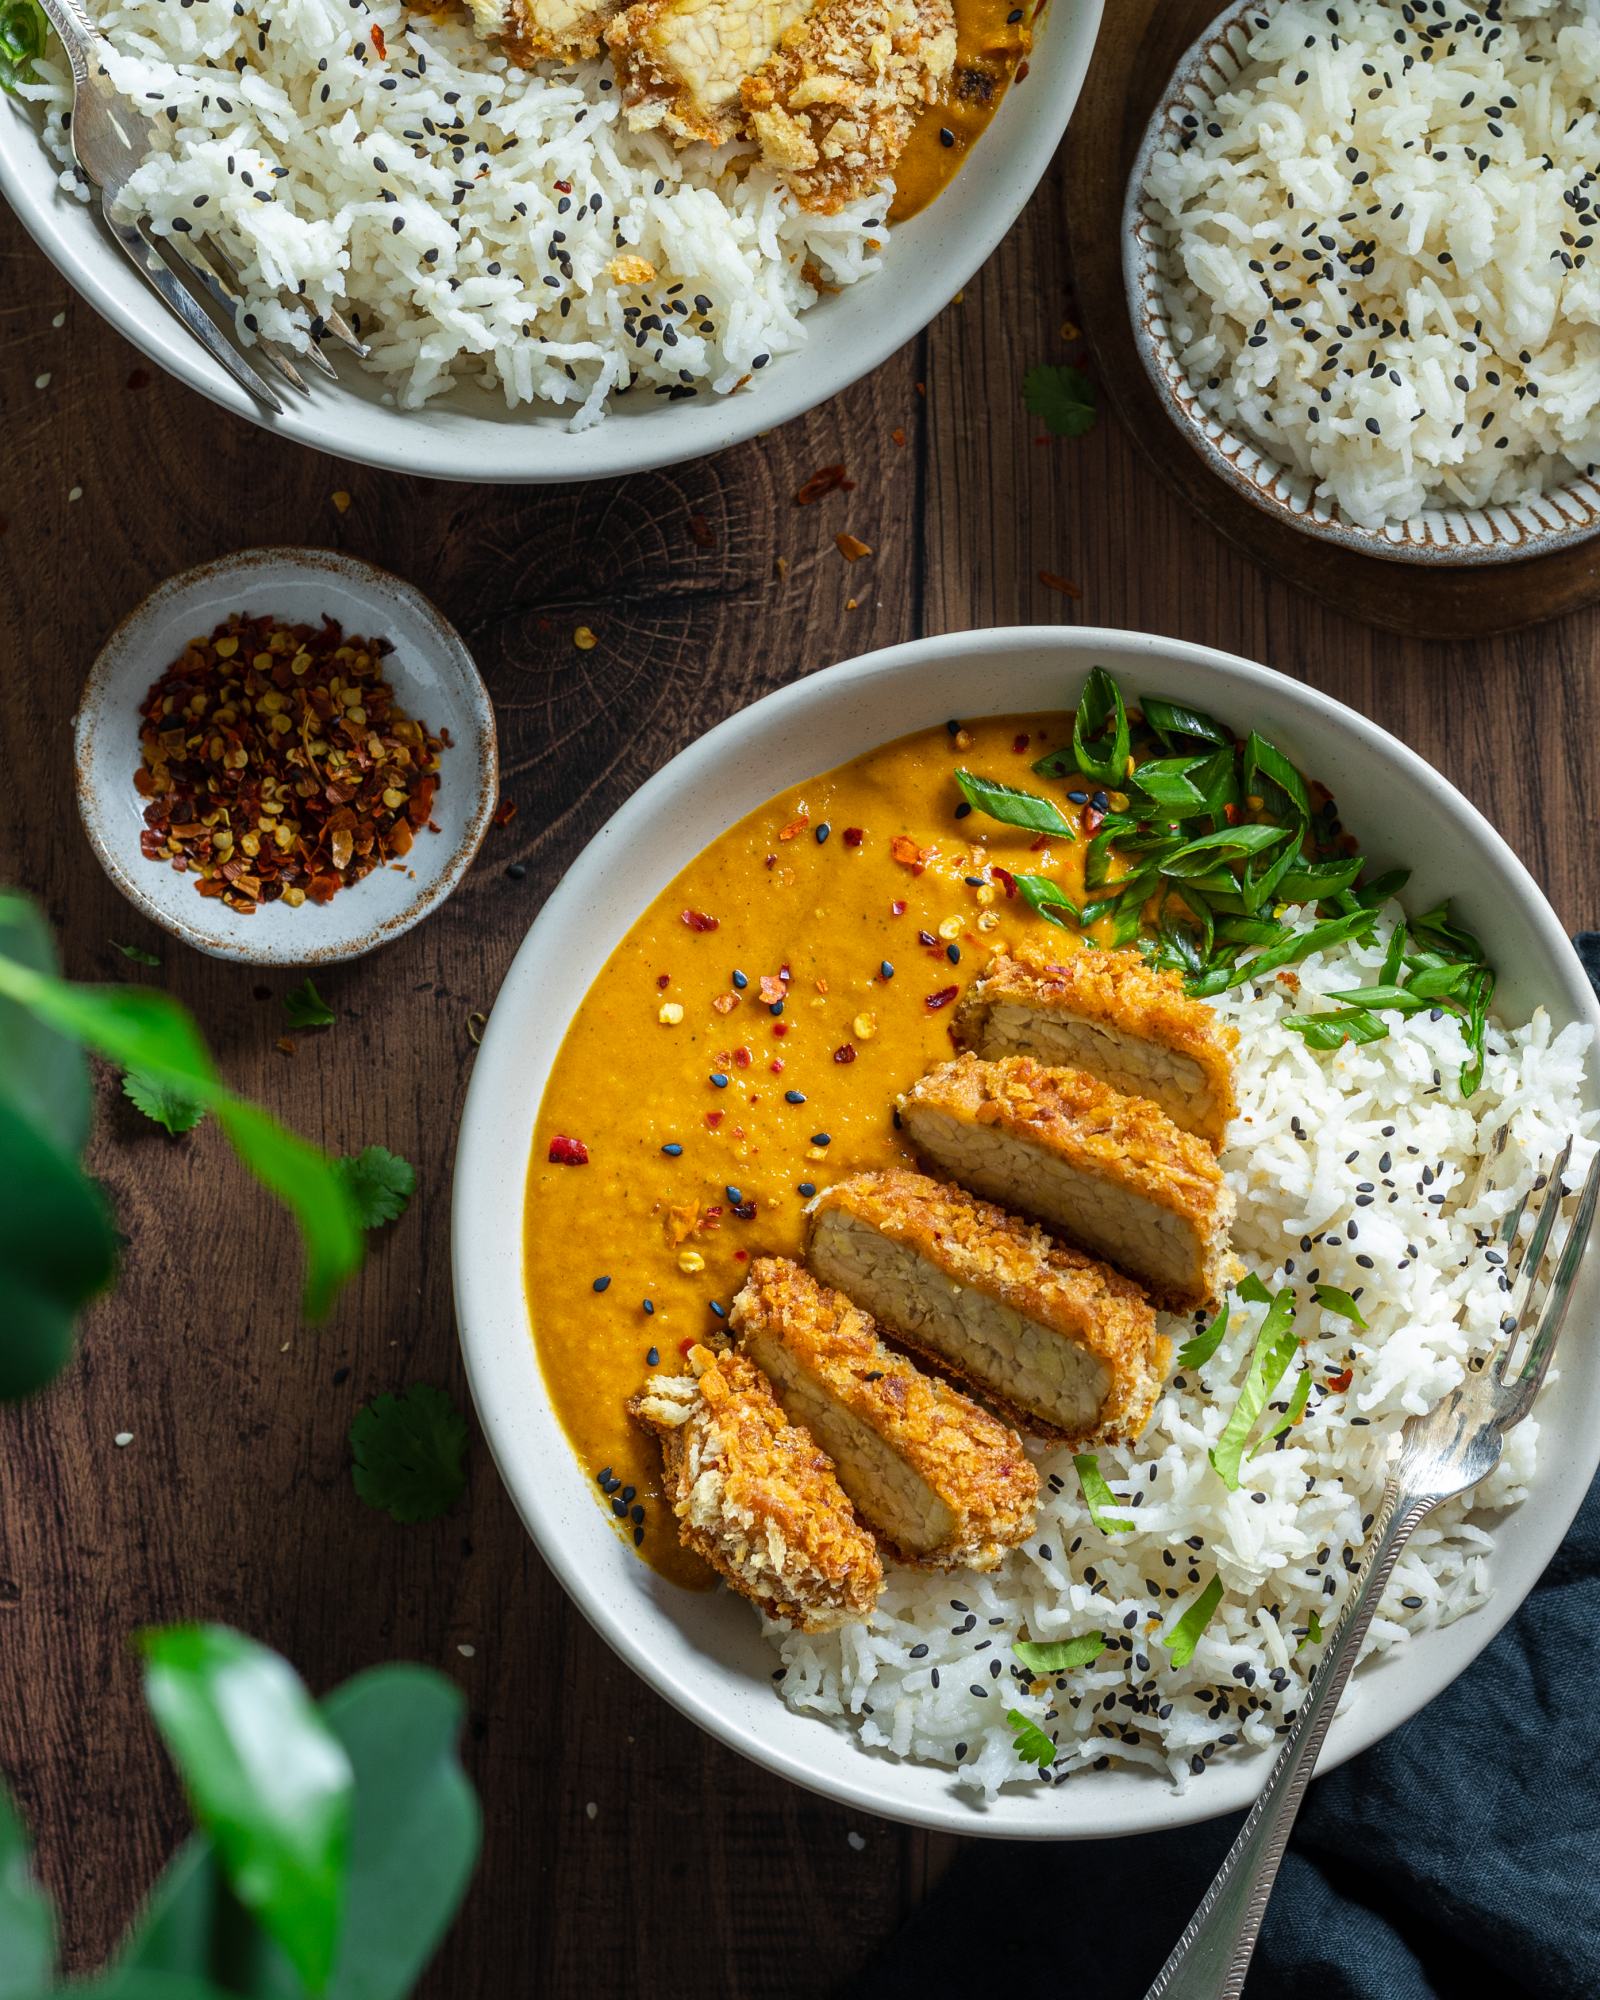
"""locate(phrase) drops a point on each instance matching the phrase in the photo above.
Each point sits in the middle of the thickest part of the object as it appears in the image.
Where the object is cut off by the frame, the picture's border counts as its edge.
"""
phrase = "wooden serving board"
(1140, 44)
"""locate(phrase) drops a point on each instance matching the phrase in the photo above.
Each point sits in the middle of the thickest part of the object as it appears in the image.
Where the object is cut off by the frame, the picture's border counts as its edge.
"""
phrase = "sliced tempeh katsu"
(533, 31)
(1111, 1172)
(942, 1481)
(1056, 1341)
(757, 1497)
(1115, 1016)
(833, 108)
(681, 62)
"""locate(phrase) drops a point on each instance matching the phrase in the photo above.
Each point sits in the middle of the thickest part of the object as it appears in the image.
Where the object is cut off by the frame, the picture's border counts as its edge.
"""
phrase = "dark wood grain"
(695, 1874)
(1141, 43)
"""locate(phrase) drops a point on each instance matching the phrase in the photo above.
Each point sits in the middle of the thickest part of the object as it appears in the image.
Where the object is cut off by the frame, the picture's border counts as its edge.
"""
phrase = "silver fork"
(1436, 1456)
(109, 143)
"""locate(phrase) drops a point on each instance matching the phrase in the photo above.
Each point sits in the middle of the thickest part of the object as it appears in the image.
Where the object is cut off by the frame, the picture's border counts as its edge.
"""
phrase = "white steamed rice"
(1348, 1168)
(1375, 249)
(419, 193)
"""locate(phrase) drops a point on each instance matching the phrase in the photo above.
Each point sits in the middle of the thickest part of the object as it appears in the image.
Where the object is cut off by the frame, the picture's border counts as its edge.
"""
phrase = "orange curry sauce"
(859, 904)
(992, 38)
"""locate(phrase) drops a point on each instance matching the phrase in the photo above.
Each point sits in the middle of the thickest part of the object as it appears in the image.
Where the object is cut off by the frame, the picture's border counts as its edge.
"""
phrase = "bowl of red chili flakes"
(286, 757)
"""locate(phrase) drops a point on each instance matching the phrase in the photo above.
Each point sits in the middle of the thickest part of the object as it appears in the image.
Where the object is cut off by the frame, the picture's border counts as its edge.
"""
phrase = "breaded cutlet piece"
(941, 1482)
(533, 31)
(680, 62)
(1055, 1341)
(756, 1497)
(1115, 1016)
(1110, 1172)
(833, 108)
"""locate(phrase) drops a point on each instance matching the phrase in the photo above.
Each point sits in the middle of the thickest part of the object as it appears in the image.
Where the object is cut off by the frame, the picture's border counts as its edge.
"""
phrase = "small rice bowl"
(1374, 250)
(481, 224)
(1352, 1169)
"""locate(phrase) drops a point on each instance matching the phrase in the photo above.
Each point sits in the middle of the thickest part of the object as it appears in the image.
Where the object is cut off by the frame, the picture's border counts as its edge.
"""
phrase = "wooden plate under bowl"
(1140, 45)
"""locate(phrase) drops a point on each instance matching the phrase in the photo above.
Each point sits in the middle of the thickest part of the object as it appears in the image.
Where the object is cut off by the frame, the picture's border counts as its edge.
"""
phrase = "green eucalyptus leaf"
(57, 1249)
(42, 1072)
(27, 1921)
(268, 1781)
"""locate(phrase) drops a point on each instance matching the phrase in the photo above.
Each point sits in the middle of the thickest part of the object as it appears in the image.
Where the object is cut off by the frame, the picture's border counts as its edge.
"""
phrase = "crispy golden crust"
(833, 108)
(756, 1497)
(1121, 991)
(533, 31)
(1124, 1142)
(680, 62)
(973, 1465)
(983, 1248)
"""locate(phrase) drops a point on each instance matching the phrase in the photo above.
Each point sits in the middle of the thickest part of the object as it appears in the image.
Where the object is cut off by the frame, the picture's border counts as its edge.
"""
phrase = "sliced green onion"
(1045, 899)
(1333, 1030)
(1333, 930)
(1262, 758)
(1011, 807)
(1101, 714)
(1170, 718)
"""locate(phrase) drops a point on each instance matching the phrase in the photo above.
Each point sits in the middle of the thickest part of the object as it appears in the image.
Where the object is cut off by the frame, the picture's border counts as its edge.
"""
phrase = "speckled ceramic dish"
(1532, 527)
(430, 670)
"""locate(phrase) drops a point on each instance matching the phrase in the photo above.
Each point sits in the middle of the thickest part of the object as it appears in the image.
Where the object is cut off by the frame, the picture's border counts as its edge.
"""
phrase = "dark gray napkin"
(1460, 1856)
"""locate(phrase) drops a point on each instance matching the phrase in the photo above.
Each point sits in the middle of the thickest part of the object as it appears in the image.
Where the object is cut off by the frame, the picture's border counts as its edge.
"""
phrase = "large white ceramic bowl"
(703, 1652)
(471, 435)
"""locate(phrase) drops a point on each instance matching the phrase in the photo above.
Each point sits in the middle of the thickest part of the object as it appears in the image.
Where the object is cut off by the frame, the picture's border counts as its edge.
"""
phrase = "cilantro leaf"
(1098, 1496)
(1331, 1299)
(1030, 1743)
(1199, 1348)
(162, 1102)
(138, 955)
(378, 1182)
(1181, 1641)
(306, 1008)
(410, 1452)
(1293, 1412)
(1062, 397)
(1060, 1656)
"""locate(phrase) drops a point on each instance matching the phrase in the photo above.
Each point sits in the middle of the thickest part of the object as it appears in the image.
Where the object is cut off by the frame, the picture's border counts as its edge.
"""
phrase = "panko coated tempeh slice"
(533, 31)
(1111, 1172)
(756, 1496)
(833, 108)
(680, 62)
(941, 1481)
(1058, 1342)
(1114, 1015)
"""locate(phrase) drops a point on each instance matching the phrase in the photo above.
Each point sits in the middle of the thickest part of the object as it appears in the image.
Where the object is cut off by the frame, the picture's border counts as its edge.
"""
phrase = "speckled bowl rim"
(452, 653)
(1454, 536)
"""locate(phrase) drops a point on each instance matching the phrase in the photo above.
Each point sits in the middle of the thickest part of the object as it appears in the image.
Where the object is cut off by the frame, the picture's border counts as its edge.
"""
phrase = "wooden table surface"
(624, 1853)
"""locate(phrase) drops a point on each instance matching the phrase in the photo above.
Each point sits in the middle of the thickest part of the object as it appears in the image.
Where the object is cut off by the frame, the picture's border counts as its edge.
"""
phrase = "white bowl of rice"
(1358, 257)
(335, 113)
(898, 1717)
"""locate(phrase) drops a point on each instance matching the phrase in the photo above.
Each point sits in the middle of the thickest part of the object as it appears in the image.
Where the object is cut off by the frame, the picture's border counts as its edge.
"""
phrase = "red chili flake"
(725, 1003)
(1230, 813)
(795, 827)
(1340, 1382)
(563, 187)
(1019, 744)
(844, 1053)
(663, 981)
(278, 764)
(1034, 846)
(831, 479)
(940, 999)
(1092, 818)
(776, 1065)
(852, 836)
(713, 1119)
(685, 1345)
(1021, 72)
(741, 1058)
(741, 1256)
(906, 851)
(700, 529)
(927, 937)
(780, 1027)
(568, 1152)
(378, 43)
(1051, 581)
(898, 435)
(1006, 879)
(772, 988)
(697, 920)
(505, 812)
(897, 909)
(745, 1210)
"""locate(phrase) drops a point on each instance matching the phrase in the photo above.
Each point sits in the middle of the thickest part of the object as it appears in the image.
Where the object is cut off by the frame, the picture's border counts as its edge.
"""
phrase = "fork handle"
(1210, 1960)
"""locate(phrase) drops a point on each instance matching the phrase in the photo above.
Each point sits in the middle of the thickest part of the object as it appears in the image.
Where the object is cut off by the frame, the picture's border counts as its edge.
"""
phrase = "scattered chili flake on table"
(831, 479)
(278, 764)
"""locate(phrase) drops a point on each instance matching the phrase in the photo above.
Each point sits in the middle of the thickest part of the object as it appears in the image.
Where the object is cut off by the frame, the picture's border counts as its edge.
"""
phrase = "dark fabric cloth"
(1460, 1856)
